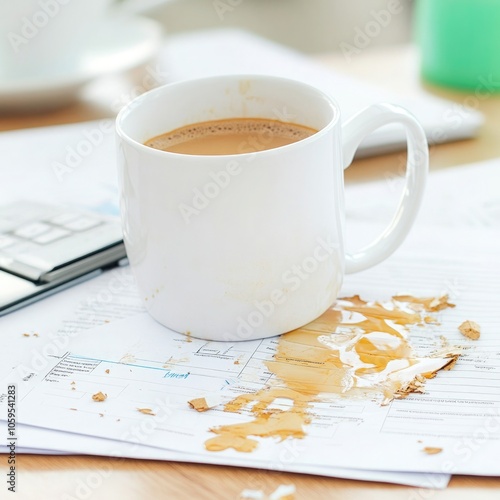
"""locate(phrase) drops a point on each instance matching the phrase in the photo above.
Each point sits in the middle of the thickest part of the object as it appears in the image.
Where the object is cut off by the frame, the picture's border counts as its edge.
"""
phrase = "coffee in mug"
(230, 137)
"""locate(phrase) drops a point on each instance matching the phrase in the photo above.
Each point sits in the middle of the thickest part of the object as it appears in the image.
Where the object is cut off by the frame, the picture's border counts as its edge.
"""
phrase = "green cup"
(460, 43)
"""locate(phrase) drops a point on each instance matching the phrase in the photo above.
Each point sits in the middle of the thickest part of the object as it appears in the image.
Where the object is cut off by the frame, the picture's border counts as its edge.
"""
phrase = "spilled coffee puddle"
(356, 349)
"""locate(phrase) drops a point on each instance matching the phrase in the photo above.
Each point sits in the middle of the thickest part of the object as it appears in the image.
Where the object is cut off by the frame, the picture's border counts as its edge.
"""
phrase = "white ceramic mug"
(247, 246)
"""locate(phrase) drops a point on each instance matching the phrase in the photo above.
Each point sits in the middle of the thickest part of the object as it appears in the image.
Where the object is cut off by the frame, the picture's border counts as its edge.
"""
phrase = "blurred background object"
(307, 25)
(460, 43)
(51, 49)
(56, 48)
(41, 37)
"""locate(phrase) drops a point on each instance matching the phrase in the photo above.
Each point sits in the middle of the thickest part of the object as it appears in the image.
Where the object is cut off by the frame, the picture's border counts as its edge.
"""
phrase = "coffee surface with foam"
(230, 136)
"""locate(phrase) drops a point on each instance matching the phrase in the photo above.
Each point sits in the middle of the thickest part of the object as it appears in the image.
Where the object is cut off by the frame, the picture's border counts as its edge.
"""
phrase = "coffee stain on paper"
(355, 349)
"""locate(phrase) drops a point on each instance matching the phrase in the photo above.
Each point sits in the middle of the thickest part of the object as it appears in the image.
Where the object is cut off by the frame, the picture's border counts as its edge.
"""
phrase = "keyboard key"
(32, 230)
(19, 247)
(82, 223)
(6, 241)
(64, 218)
(52, 235)
(6, 261)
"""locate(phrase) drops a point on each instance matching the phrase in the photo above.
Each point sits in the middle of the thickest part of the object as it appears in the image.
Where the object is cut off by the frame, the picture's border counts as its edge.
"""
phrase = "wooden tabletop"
(95, 478)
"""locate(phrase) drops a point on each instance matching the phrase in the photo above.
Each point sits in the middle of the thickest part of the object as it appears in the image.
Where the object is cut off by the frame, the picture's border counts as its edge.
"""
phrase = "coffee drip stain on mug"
(356, 349)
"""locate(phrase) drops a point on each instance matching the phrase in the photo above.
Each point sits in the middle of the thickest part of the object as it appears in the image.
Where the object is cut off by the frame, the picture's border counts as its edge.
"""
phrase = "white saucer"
(120, 44)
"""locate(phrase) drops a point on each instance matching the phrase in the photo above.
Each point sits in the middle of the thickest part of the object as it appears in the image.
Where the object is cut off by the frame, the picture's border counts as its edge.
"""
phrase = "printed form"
(93, 305)
(459, 412)
(113, 295)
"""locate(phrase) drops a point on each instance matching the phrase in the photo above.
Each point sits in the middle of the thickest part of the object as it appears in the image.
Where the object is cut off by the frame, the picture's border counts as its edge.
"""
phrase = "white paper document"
(110, 296)
(84, 444)
(80, 336)
(139, 364)
(40, 330)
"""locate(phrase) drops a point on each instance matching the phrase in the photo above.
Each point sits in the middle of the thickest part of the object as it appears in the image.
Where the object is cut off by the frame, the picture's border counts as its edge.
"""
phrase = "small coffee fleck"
(470, 329)
(432, 450)
(99, 397)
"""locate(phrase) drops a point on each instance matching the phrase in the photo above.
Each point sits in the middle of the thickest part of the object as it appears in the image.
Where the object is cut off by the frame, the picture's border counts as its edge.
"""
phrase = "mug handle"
(353, 132)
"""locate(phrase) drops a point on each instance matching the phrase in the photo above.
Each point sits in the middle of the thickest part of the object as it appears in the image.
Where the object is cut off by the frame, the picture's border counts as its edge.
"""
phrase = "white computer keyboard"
(43, 247)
